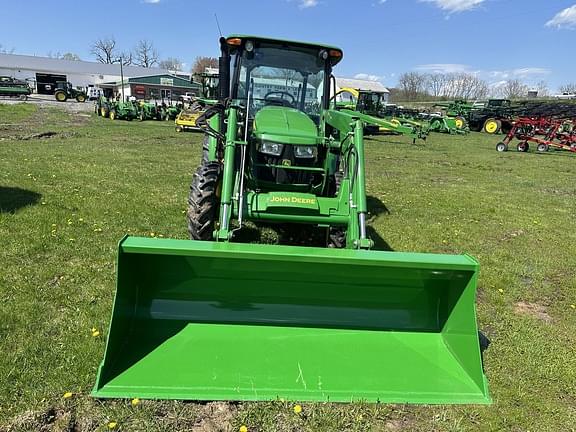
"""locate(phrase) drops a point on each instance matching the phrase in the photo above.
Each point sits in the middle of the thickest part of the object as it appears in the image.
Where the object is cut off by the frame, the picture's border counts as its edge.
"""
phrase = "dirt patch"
(534, 310)
(215, 417)
(51, 420)
(512, 234)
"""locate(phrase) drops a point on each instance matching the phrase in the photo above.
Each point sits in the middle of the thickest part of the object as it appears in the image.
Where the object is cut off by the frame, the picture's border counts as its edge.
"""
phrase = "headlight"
(271, 148)
(305, 152)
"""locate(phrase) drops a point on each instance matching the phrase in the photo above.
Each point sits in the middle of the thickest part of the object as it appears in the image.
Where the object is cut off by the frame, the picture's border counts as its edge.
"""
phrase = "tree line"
(422, 87)
(144, 54)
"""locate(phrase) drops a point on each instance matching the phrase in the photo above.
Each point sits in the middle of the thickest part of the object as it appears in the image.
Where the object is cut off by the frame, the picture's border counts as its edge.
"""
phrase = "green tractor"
(170, 112)
(148, 111)
(65, 91)
(369, 106)
(215, 319)
(123, 111)
(102, 107)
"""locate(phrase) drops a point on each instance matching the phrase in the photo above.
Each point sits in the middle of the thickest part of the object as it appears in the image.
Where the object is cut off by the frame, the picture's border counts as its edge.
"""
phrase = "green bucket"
(223, 321)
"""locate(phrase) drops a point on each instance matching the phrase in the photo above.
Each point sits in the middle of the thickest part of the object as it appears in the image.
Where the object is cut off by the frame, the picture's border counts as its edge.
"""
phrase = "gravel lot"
(49, 101)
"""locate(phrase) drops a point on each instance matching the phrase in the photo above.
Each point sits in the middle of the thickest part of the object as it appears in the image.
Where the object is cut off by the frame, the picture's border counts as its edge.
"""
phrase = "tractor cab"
(281, 89)
(365, 101)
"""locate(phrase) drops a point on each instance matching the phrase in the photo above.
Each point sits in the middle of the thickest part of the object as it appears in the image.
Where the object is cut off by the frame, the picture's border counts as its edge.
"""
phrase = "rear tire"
(492, 126)
(501, 147)
(61, 96)
(203, 201)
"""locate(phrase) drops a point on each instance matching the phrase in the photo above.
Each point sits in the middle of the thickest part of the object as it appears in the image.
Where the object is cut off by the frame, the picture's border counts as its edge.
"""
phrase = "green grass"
(67, 200)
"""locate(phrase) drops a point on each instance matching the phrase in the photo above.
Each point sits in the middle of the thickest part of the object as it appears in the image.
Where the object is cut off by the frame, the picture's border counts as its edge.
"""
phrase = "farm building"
(162, 86)
(43, 72)
(359, 84)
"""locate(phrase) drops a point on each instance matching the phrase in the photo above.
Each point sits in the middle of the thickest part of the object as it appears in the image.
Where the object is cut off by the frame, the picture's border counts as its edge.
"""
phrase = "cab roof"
(289, 42)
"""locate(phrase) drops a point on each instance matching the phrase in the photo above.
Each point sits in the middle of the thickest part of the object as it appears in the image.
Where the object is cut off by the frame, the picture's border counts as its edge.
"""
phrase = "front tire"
(203, 201)
(80, 98)
(501, 147)
(522, 146)
(542, 148)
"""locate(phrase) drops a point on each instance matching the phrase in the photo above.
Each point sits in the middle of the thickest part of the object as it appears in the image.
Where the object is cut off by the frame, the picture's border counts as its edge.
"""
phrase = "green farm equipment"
(170, 112)
(65, 91)
(449, 125)
(148, 111)
(214, 319)
(102, 106)
(123, 111)
(368, 106)
(12, 87)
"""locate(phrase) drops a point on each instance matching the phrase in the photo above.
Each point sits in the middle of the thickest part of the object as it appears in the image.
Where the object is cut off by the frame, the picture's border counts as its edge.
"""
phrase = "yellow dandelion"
(500, 290)
(112, 425)
(243, 429)
(81, 220)
(152, 234)
(95, 333)
(135, 401)
(297, 409)
(53, 225)
(573, 306)
(68, 395)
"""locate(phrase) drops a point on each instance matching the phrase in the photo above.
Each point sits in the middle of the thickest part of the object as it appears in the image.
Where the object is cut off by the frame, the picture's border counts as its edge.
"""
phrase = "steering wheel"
(280, 100)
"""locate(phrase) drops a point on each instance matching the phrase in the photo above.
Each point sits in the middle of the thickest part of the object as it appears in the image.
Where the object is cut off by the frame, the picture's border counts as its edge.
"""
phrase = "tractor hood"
(285, 125)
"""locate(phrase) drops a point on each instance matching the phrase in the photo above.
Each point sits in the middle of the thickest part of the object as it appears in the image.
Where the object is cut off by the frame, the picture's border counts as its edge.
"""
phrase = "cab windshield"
(270, 75)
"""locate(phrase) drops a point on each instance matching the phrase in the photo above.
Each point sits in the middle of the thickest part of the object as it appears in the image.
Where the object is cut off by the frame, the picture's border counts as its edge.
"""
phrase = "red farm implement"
(544, 133)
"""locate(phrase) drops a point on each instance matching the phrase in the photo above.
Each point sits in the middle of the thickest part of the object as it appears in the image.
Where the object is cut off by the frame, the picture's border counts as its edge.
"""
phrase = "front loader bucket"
(223, 321)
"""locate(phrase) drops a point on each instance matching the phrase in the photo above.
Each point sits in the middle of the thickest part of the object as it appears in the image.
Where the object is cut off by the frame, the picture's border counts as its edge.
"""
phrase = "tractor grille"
(286, 176)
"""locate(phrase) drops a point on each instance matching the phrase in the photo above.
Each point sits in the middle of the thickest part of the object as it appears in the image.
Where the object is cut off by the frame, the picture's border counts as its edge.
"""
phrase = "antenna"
(218, 24)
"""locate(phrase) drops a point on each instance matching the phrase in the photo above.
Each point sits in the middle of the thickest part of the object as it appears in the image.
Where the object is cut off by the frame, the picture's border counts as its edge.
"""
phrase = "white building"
(44, 72)
(359, 84)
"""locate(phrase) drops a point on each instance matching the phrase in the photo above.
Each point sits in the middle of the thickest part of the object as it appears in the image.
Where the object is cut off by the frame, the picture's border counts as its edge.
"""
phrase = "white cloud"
(528, 71)
(564, 19)
(524, 72)
(152, 1)
(443, 68)
(368, 77)
(304, 4)
(452, 6)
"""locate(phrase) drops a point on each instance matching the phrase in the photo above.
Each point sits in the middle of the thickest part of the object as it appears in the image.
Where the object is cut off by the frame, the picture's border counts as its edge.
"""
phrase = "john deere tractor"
(212, 318)
(65, 91)
(370, 105)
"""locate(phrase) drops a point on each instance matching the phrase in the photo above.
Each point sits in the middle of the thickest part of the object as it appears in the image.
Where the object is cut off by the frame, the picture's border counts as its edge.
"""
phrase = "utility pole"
(122, 77)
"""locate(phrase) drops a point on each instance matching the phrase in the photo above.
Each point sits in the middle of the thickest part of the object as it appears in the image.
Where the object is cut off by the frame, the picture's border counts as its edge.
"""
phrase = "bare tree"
(104, 49)
(126, 57)
(173, 64)
(435, 84)
(65, 56)
(145, 55)
(568, 88)
(4, 50)
(201, 63)
(542, 88)
(412, 85)
(514, 89)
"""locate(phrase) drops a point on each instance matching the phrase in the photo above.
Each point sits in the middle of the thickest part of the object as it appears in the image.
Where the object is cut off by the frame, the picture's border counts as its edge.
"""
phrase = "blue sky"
(498, 39)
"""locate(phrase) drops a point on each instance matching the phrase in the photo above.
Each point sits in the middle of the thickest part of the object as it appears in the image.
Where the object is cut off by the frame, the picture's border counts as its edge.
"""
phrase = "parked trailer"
(12, 87)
